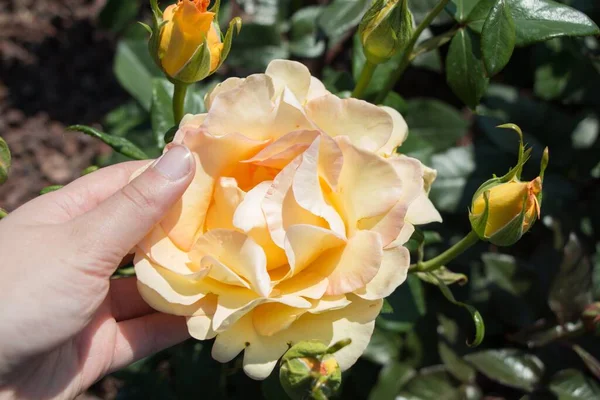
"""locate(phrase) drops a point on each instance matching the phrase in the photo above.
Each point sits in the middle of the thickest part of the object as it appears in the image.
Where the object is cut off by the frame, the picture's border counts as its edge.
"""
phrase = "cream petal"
(399, 132)
(389, 225)
(227, 197)
(239, 253)
(161, 250)
(184, 221)
(273, 203)
(223, 87)
(307, 191)
(249, 214)
(354, 266)
(316, 89)
(190, 121)
(366, 125)
(279, 153)
(407, 230)
(391, 274)
(221, 273)
(368, 186)
(422, 211)
(329, 303)
(200, 327)
(290, 74)
(204, 306)
(174, 288)
(270, 318)
(309, 284)
(355, 321)
(305, 243)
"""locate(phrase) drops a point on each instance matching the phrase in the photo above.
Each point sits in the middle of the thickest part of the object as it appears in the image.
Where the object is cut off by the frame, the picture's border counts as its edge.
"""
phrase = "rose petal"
(399, 132)
(366, 125)
(391, 274)
(354, 266)
(356, 321)
(183, 222)
(291, 74)
(305, 243)
(161, 250)
(223, 87)
(239, 253)
(227, 197)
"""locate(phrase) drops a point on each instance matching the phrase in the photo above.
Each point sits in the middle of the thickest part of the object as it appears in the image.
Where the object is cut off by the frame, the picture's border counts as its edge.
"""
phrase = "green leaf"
(5, 160)
(445, 275)
(590, 361)
(570, 384)
(502, 270)
(259, 45)
(384, 347)
(498, 38)
(432, 383)
(134, 68)
(342, 15)
(509, 367)
(460, 9)
(454, 169)
(161, 110)
(475, 315)
(116, 15)
(89, 170)
(434, 127)
(304, 40)
(49, 189)
(571, 289)
(456, 365)
(538, 20)
(119, 144)
(3, 213)
(464, 68)
(392, 378)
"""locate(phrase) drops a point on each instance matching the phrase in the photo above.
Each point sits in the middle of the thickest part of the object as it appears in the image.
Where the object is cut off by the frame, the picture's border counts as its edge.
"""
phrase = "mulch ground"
(55, 70)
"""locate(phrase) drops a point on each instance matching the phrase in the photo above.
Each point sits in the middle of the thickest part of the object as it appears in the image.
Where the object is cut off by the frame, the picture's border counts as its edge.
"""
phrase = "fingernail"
(175, 163)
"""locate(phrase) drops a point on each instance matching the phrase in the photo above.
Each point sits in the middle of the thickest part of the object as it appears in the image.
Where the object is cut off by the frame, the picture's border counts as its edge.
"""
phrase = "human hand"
(64, 322)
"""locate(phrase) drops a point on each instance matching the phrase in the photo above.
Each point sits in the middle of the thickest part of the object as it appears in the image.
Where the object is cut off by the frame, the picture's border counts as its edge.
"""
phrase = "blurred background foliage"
(532, 296)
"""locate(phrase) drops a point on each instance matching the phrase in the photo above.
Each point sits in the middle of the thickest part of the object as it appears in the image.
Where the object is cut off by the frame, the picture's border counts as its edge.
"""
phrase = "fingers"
(141, 337)
(121, 221)
(79, 196)
(125, 300)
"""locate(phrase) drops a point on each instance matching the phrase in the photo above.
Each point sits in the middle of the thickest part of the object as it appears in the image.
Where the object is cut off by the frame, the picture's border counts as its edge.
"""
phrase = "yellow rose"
(187, 24)
(294, 225)
(507, 202)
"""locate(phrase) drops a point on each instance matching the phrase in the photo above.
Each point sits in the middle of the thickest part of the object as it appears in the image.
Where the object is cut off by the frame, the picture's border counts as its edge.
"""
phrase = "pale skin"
(64, 322)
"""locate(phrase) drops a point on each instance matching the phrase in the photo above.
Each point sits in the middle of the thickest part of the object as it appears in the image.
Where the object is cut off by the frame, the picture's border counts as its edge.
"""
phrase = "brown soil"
(55, 70)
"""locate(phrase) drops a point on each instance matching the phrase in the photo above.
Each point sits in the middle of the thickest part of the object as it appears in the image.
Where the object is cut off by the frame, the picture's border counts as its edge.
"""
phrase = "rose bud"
(385, 29)
(310, 370)
(186, 41)
(505, 208)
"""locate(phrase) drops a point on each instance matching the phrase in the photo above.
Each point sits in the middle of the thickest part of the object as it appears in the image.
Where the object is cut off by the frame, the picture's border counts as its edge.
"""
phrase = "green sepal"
(479, 221)
(197, 67)
(543, 166)
(235, 26)
(512, 231)
(5, 161)
(215, 8)
(146, 27)
(156, 9)
(3, 213)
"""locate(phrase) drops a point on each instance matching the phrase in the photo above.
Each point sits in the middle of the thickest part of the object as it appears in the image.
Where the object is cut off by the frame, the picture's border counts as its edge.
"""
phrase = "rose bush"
(294, 225)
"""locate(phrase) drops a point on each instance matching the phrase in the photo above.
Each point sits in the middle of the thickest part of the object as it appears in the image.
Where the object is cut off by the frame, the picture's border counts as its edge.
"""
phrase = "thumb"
(120, 222)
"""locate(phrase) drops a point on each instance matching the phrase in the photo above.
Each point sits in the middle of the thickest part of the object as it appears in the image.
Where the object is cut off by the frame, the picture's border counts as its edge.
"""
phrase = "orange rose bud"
(186, 42)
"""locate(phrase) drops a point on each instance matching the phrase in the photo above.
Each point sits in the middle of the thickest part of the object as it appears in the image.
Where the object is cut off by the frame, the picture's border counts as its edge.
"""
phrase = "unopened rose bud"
(385, 29)
(186, 41)
(505, 208)
(309, 370)
(591, 318)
